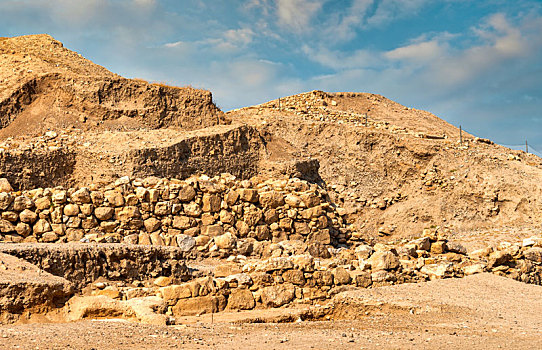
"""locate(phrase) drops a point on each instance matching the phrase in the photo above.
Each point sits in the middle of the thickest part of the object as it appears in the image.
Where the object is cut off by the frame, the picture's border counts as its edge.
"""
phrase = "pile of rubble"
(321, 106)
(243, 283)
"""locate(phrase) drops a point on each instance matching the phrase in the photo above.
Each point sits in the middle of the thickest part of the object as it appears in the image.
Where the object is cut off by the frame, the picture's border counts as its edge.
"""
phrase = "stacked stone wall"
(218, 216)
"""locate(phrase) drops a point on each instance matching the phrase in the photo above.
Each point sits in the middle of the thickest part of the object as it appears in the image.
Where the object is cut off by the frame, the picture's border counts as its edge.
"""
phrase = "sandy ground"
(477, 312)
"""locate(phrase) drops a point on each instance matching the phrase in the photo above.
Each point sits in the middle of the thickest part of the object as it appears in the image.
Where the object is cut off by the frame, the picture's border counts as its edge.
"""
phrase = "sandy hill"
(390, 169)
(400, 170)
(45, 86)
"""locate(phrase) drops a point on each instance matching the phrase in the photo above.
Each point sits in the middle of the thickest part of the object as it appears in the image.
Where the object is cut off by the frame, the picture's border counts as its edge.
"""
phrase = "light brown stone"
(241, 299)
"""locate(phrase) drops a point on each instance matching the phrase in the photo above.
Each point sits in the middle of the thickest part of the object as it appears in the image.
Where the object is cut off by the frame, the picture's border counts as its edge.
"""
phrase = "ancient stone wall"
(217, 216)
(82, 264)
(243, 284)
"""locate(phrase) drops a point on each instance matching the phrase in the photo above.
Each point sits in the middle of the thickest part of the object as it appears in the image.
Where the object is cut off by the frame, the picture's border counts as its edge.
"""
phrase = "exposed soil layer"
(25, 290)
(82, 264)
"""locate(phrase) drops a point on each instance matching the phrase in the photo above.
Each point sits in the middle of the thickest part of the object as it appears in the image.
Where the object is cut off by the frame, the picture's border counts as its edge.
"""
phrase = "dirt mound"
(364, 108)
(401, 170)
(46, 86)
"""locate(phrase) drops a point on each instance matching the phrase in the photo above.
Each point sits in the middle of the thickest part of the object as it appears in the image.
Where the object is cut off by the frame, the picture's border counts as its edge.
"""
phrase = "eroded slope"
(46, 86)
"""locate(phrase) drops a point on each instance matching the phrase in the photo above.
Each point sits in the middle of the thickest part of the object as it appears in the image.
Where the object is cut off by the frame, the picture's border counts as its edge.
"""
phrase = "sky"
(473, 63)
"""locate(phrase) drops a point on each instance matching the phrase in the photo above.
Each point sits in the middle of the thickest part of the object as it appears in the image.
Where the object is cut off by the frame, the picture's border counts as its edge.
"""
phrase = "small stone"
(128, 213)
(162, 208)
(49, 237)
(71, 210)
(185, 243)
(162, 281)
(43, 203)
(212, 230)
(363, 280)
(144, 238)
(455, 247)
(296, 277)
(10, 216)
(211, 203)
(192, 209)
(28, 216)
(6, 226)
(473, 269)
(23, 229)
(114, 198)
(271, 199)
(363, 251)
(423, 243)
(534, 254)
(41, 226)
(5, 200)
(293, 201)
(104, 213)
(5, 186)
(152, 224)
(22, 202)
(81, 196)
(199, 305)
(100, 285)
(498, 258)
(59, 197)
(341, 276)
(438, 247)
(226, 241)
(249, 195)
(171, 294)
(438, 271)
(187, 193)
(156, 238)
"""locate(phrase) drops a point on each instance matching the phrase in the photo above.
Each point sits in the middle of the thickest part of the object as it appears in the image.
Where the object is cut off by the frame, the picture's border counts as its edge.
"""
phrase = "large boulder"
(276, 296)
(383, 260)
(241, 299)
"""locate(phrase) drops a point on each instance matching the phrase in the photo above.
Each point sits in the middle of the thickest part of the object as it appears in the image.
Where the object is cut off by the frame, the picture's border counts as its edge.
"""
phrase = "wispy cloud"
(296, 15)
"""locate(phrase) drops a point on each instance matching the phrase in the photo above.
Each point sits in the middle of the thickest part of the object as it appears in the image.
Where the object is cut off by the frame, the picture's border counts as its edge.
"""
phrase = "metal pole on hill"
(460, 136)
(526, 147)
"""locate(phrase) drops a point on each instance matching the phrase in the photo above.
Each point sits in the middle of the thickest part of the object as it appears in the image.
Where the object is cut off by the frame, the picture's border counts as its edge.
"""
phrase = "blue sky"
(474, 63)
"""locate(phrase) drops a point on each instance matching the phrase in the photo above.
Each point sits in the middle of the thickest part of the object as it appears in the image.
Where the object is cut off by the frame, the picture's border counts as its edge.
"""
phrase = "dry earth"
(477, 312)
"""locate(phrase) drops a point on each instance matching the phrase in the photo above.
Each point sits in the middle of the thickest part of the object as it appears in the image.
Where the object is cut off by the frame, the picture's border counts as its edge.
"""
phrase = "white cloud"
(501, 41)
(433, 60)
(338, 60)
(296, 15)
(353, 18)
(145, 3)
(388, 10)
(230, 41)
(175, 44)
(417, 52)
(239, 37)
